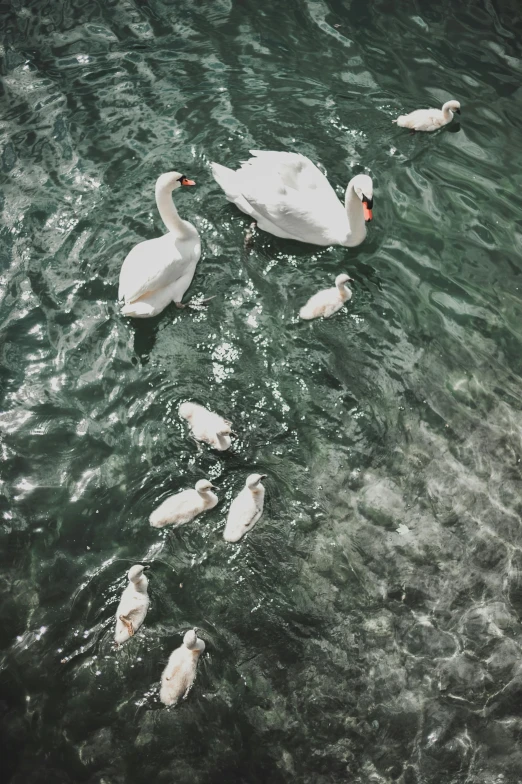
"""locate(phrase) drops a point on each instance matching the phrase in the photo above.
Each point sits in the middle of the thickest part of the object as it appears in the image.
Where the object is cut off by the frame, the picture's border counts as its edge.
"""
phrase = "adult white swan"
(288, 196)
(159, 271)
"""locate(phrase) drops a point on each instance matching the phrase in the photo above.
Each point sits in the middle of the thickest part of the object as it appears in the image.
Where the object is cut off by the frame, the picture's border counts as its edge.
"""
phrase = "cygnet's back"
(133, 606)
(246, 509)
(206, 425)
(179, 674)
(184, 506)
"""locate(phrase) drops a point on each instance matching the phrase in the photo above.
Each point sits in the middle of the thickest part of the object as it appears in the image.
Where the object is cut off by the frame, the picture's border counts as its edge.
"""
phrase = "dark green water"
(368, 629)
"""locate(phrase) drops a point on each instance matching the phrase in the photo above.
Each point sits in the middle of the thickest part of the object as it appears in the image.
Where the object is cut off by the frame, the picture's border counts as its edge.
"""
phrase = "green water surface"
(367, 630)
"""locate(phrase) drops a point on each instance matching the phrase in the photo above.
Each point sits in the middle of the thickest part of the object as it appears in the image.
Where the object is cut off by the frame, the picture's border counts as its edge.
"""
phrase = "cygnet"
(246, 509)
(207, 426)
(133, 605)
(185, 506)
(178, 676)
(429, 119)
(327, 302)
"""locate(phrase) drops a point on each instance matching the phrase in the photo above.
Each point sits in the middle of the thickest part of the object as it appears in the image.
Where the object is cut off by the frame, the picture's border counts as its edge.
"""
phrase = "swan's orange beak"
(367, 209)
(186, 181)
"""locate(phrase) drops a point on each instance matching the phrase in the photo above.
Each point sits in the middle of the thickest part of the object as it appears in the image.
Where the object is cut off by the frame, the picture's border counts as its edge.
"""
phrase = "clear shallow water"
(368, 630)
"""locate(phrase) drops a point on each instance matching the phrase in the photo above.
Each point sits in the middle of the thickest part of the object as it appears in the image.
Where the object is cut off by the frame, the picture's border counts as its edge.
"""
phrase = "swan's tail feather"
(224, 177)
(227, 180)
(158, 518)
(307, 313)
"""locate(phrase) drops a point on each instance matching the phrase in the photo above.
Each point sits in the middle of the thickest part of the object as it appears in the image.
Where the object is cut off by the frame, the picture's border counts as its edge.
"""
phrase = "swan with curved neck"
(429, 119)
(327, 302)
(159, 271)
(290, 197)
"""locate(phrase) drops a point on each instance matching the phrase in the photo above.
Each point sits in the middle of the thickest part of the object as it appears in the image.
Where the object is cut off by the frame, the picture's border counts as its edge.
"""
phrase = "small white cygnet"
(207, 426)
(327, 302)
(133, 605)
(185, 506)
(246, 509)
(429, 119)
(178, 676)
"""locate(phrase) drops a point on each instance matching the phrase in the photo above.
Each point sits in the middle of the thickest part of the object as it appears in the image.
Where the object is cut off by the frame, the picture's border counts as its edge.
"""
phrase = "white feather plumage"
(179, 674)
(185, 506)
(246, 509)
(133, 605)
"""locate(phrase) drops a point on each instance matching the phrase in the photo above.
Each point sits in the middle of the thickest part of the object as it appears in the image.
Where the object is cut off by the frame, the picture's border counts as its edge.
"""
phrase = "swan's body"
(159, 271)
(185, 506)
(206, 426)
(288, 196)
(327, 302)
(429, 119)
(178, 676)
(246, 509)
(133, 605)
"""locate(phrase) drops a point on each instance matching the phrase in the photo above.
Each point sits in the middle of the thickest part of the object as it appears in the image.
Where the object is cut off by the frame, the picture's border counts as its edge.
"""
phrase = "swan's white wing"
(157, 263)
(289, 192)
(295, 170)
(309, 216)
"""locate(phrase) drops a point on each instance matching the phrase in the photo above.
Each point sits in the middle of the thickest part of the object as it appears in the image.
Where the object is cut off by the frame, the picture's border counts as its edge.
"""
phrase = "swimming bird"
(429, 119)
(327, 302)
(207, 426)
(246, 509)
(133, 605)
(159, 271)
(178, 676)
(288, 196)
(185, 506)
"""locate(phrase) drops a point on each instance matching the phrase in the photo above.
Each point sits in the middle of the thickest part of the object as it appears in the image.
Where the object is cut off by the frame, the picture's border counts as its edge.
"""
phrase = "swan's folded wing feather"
(303, 215)
(294, 170)
(152, 265)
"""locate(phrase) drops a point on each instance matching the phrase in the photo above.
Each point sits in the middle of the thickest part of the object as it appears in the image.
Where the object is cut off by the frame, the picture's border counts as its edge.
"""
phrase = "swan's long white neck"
(447, 112)
(355, 212)
(168, 212)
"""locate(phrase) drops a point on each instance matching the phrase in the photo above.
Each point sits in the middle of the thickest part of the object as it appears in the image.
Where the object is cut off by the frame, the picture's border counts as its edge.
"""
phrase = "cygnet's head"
(204, 486)
(363, 187)
(135, 573)
(453, 106)
(190, 640)
(342, 279)
(171, 181)
(186, 410)
(225, 430)
(253, 481)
